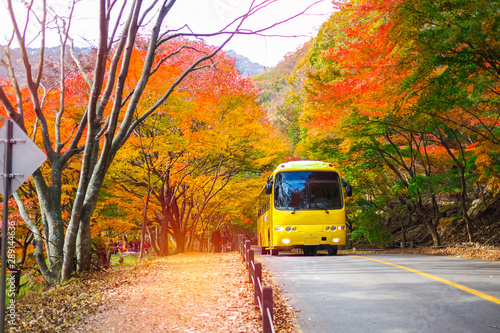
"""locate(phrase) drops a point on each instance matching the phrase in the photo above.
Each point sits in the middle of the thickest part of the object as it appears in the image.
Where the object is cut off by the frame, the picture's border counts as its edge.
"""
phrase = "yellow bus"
(302, 206)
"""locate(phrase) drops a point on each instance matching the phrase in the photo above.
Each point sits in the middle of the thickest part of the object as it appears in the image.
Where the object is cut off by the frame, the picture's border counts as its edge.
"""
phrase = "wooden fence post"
(263, 296)
(247, 247)
(267, 309)
(258, 283)
(251, 263)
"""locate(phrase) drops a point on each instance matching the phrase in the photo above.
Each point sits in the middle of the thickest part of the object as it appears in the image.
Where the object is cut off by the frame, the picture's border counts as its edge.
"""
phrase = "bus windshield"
(307, 190)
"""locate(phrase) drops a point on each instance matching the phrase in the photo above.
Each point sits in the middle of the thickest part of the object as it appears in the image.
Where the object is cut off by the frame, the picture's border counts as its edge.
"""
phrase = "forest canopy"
(403, 97)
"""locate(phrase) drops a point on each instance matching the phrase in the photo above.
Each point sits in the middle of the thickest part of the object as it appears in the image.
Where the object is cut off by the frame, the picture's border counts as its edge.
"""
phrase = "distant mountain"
(275, 81)
(281, 96)
(243, 64)
(246, 66)
(51, 63)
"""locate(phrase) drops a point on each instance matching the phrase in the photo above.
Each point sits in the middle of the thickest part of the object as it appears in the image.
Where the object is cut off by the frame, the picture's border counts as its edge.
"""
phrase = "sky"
(212, 15)
(267, 51)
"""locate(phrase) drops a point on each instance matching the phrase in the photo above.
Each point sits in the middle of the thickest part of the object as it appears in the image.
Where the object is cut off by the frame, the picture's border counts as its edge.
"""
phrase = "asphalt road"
(389, 293)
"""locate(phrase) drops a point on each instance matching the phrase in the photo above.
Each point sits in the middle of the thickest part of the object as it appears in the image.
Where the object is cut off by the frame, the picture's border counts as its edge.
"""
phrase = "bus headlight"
(327, 228)
(333, 228)
(341, 227)
(288, 228)
(285, 241)
(278, 228)
(294, 228)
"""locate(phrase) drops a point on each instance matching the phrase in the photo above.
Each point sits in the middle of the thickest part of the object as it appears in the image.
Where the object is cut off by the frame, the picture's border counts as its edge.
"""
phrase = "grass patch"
(126, 258)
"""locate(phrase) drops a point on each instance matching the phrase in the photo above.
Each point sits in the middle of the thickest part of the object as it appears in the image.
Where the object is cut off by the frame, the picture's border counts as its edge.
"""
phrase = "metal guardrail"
(263, 295)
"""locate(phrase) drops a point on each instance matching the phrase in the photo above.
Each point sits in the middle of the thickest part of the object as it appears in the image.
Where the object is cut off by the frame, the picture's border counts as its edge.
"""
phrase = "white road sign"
(26, 157)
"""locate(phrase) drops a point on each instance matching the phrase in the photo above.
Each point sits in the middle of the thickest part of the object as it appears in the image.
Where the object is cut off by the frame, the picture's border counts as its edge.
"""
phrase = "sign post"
(19, 158)
(7, 162)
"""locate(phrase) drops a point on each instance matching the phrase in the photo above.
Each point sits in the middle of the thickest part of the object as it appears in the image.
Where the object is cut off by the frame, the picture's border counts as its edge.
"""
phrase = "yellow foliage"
(488, 173)
(209, 130)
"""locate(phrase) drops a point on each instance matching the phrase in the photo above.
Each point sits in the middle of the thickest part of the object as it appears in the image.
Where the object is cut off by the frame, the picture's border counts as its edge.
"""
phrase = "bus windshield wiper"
(322, 206)
(296, 207)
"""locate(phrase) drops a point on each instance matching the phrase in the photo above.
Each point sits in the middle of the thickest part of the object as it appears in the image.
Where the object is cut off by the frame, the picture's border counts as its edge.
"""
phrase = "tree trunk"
(202, 242)
(163, 241)
(463, 205)
(468, 221)
(434, 234)
(38, 243)
(430, 221)
(154, 240)
(56, 239)
(403, 234)
(145, 221)
(84, 239)
(180, 241)
(49, 200)
(84, 247)
(435, 221)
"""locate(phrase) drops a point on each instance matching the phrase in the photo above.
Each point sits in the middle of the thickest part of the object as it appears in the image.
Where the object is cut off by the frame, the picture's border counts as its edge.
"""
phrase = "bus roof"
(305, 165)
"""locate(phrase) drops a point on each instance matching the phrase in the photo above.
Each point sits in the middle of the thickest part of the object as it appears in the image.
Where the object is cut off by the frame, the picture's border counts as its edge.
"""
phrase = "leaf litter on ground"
(190, 292)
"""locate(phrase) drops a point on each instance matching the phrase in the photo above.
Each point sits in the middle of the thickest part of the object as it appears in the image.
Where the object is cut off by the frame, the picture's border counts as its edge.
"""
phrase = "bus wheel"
(274, 252)
(308, 251)
(333, 250)
(263, 250)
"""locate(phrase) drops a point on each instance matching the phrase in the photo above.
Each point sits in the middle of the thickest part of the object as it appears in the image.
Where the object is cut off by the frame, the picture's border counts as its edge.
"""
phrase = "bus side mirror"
(269, 186)
(348, 189)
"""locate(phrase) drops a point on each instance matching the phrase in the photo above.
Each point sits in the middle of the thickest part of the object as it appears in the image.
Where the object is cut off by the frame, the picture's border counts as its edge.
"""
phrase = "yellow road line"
(456, 285)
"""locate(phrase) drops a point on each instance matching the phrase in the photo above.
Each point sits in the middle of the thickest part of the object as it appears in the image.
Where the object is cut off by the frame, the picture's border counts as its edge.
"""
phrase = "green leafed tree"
(405, 93)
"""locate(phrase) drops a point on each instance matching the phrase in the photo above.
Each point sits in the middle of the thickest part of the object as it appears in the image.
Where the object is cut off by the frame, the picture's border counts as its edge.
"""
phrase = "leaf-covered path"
(181, 293)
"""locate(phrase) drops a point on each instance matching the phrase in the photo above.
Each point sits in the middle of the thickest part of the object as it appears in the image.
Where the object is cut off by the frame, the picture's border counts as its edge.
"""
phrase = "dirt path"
(182, 293)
